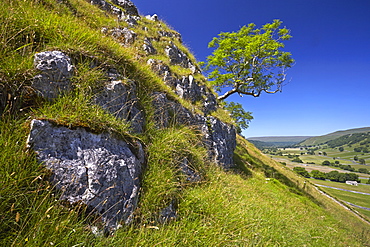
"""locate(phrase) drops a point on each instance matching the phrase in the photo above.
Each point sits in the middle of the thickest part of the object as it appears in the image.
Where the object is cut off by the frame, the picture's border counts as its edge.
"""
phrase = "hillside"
(361, 139)
(276, 141)
(111, 136)
(331, 136)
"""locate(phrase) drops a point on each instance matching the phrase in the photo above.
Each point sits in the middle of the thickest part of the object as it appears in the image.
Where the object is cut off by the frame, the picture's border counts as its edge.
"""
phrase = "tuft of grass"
(163, 182)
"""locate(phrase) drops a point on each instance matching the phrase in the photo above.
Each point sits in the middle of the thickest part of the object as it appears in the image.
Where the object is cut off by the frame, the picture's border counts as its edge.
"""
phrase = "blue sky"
(329, 86)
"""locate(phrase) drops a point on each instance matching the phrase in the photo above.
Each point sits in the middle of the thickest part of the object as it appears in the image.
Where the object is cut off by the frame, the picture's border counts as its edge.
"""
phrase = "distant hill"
(276, 141)
(358, 139)
(331, 136)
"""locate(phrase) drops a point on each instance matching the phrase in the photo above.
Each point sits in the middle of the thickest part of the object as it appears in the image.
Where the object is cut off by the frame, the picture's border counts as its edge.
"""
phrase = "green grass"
(252, 212)
(359, 188)
(358, 199)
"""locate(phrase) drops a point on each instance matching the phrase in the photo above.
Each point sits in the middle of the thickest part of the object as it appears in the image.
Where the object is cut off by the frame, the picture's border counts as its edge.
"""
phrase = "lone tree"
(250, 61)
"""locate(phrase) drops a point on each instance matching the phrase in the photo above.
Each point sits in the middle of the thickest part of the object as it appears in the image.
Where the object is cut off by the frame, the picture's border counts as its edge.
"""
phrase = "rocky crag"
(103, 170)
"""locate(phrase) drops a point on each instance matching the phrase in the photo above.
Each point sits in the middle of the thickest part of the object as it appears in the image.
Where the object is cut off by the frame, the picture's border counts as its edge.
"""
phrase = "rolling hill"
(331, 136)
(276, 141)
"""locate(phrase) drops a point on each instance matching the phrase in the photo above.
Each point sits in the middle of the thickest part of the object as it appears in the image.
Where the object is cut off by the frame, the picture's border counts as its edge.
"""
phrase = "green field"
(360, 188)
(314, 162)
(357, 199)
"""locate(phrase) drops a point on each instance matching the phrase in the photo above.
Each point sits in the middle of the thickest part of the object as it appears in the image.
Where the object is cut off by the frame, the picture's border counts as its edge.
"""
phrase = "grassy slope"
(324, 138)
(235, 208)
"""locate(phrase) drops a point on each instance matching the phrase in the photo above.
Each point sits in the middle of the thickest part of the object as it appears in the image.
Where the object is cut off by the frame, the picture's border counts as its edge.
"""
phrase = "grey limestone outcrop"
(223, 142)
(218, 137)
(56, 71)
(124, 35)
(126, 10)
(120, 100)
(186, 87)
(148, 47)
(178, 57)
(99, 170)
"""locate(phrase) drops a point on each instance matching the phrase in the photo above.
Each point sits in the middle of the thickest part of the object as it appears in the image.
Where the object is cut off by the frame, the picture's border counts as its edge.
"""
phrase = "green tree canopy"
(326, 163)
(318, 174)
(250, 61)
(302, 171)
(240, 116)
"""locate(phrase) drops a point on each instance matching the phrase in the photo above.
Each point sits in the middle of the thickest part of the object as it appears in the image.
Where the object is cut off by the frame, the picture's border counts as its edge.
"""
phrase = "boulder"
(56, 71)
(98, 170)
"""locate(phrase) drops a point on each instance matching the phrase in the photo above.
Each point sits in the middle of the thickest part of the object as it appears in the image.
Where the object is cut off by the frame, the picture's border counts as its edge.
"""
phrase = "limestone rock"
(186, 88)
(189, 89)
(178, 57)
(128, 6)
(209, 103)
(176, 35)
(148, 47)
(152, 17)
(56, 71)
(168, 214)
(98, 170)
(218, 137)
(164, 71)
(223, 142)
(129, 15)
(161, 113)
(168, 111)
(122, 102)
(124, 35)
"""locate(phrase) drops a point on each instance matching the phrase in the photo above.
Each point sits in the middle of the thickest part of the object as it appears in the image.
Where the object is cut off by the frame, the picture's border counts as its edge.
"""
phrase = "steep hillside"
(331, 136)
(111, 136)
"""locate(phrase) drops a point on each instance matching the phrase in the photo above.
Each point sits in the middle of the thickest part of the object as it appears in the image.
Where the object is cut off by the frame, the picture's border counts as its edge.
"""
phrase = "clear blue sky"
(329, 87)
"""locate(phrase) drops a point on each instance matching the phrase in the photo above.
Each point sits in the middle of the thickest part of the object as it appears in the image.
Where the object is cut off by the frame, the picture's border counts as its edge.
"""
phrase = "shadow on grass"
(245, 163)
